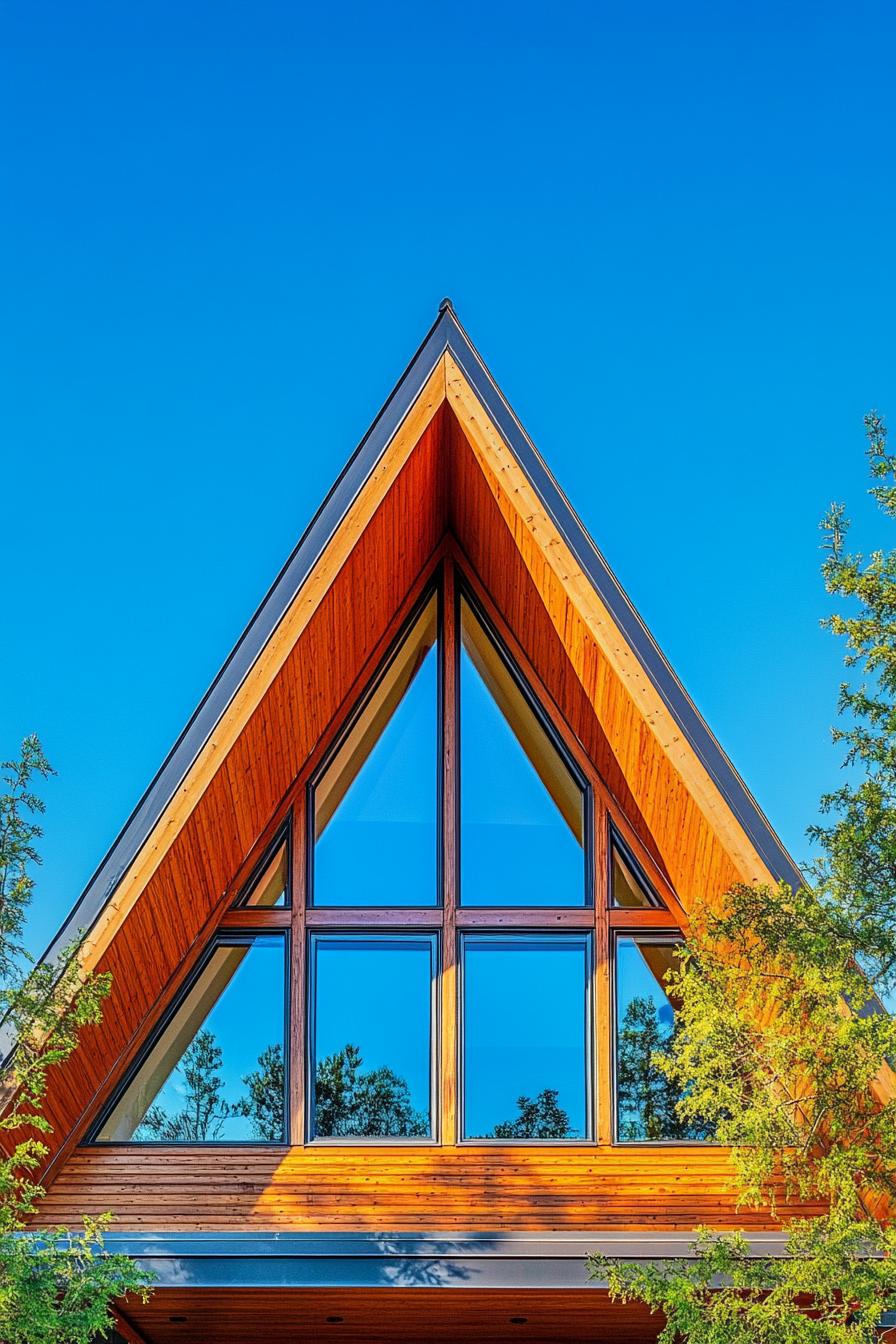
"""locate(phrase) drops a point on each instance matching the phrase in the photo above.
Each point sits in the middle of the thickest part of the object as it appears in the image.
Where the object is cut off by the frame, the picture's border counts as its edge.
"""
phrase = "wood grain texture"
(642, 777)
(392, 1316)
(165, 930)
(390, 1188)
(446, 483)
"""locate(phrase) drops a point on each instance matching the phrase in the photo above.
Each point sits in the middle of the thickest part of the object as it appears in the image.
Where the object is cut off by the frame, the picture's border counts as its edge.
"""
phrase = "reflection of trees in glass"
(646, 1097)
(539, 1118)
(375, 1104)
(264, 1106)
(204, 1111)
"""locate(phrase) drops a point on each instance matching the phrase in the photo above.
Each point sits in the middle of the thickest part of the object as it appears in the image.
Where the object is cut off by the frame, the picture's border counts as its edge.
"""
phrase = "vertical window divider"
(295, 1043)
(603, 979)
(448, 1063)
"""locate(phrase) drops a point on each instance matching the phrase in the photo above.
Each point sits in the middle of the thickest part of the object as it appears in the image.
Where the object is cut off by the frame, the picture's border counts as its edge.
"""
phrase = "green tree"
(539, 1117)
(56, 1287)
(264, 1105)
(646, 1095)
(781, 1040)
(202, 1117)
(377, 1103)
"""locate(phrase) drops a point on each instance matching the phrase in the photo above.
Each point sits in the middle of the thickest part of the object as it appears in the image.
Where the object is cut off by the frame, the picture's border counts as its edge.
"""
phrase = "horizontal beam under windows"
(537, 918)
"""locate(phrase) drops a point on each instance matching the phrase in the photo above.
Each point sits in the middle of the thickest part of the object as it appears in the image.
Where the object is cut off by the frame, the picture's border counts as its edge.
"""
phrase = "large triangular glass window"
(522, 804)
(214, 1071)
(375, 806)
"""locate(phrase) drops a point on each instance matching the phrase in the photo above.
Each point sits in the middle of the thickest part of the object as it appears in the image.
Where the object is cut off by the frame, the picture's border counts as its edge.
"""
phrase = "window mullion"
(448, 1051)
(603, 978)
(298, 972)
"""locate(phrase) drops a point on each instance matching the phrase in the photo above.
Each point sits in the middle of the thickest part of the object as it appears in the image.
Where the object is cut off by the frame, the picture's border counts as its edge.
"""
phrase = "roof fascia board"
(325, 523)
(446, 335)
(330, 1260)
(593, 564)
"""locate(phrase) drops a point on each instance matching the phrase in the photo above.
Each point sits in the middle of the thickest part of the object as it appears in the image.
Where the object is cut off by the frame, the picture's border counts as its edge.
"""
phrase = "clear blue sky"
(224, 229)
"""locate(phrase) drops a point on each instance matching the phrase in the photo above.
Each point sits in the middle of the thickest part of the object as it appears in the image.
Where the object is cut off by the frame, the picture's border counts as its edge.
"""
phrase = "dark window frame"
(432, 938)
(618, 843)
(671, 937)
(585, 939)
(464, 593)
(433, 590)
(283, 837)
(451, 578)
(222, 938)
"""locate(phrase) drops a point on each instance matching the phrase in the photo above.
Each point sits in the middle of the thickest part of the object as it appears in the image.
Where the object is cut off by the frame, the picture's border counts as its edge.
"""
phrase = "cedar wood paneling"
(392, 1316)
(440, 487)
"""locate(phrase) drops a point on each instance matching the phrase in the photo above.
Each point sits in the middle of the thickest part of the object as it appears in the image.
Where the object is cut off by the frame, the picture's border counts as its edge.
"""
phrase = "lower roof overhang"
(377, 1260)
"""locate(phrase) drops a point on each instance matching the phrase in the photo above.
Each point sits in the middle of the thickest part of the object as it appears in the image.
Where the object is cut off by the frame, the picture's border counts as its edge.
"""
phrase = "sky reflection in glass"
(525, 1027)
(522, 812)
(645, 1098)
(375, 993)
(376, 807)
(238, 1001)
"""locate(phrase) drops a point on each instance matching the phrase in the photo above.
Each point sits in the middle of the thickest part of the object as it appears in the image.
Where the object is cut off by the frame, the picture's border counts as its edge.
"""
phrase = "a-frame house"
(388, 930)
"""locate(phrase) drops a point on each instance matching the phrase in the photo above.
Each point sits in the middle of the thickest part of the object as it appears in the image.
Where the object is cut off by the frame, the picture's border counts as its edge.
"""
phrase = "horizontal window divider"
(367, 917)
(536, 918)
(663, 921)
(248, 918)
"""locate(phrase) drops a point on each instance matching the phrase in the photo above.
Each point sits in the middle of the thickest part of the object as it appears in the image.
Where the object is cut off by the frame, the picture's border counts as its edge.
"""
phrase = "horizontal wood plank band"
(547, 1188)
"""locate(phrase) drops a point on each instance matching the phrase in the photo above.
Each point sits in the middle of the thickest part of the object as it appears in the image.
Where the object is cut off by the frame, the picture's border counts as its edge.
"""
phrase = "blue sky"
(225, 228)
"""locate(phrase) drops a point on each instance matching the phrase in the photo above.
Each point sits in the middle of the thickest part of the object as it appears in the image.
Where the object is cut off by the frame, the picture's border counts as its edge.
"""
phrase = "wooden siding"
(167, 927)
(389, 1188)
(622, 745)
(444, 484)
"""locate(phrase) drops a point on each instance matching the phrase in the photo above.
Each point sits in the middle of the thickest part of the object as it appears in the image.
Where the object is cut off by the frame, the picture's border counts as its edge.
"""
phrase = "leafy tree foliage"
(782, 1043)
(202, 1116)
(58, 1287)
(540, 1117)
(647, 1095)
(349, 1101)
(264, 1104)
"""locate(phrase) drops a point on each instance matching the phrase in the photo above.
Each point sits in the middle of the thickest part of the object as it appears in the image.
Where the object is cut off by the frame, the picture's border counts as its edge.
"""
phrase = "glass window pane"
(271, 887)
(376, 807)
(629, 891)
(371, 1058)
(645, 1024)
(216, 1071)
(526, 1033)
(522, 810)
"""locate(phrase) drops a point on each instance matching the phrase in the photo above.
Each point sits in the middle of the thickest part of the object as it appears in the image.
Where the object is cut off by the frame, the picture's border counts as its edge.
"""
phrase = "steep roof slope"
(445, 455)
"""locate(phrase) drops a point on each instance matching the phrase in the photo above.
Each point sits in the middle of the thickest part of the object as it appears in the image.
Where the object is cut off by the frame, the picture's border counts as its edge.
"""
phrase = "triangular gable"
(445, 454)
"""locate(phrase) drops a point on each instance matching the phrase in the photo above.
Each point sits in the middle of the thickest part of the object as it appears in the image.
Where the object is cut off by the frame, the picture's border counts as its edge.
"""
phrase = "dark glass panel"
(371, 1062)
(376, 806)
(526, 1034)
(216, 1071)
(522, 811)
